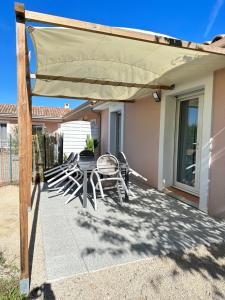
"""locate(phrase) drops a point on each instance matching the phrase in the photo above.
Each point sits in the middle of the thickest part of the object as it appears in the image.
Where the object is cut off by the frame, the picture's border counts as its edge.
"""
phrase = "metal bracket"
(24, 286)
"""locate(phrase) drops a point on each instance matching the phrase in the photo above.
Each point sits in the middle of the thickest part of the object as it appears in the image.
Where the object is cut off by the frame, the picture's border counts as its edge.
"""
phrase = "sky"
(191, 20)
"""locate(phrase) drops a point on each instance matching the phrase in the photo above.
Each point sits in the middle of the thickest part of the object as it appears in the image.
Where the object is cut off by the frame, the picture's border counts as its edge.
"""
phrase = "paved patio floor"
(78, 240)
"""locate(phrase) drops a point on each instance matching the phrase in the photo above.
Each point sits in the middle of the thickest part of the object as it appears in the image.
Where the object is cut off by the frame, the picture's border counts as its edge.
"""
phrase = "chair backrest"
(122, 158)
(73, 162)
(76, 158)
(86, 153)
(70, 157)
(107, 164)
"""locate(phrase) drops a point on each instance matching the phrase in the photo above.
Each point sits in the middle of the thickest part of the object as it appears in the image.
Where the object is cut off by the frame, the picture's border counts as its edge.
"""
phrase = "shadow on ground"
(151, 224)
(155, 224)
(44, 292)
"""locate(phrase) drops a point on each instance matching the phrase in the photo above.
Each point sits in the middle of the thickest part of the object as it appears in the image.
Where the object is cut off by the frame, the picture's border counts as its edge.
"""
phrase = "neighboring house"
(178, 143)
(55, 120)
(43, 117)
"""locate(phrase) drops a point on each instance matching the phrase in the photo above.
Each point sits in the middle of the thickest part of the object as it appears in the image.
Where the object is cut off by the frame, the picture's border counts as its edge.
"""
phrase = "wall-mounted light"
(157, 96)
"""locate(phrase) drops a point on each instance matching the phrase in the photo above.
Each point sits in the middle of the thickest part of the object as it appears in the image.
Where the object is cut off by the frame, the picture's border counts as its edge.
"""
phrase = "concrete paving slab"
(63, 266)
(151, 224)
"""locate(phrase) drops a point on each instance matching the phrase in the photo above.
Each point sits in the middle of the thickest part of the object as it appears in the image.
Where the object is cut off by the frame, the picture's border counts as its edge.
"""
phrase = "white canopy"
(87, 65)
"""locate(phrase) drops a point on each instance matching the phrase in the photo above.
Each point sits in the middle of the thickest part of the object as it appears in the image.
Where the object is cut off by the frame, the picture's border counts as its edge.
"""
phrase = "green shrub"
(90, 143)
(65, 157)
(9, 281)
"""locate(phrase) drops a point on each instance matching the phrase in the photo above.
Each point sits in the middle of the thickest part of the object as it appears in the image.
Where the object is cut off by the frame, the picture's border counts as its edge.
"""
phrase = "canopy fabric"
(86, 65)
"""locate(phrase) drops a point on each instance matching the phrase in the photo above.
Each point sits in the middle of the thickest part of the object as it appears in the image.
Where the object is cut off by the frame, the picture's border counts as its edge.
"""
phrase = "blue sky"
(189, 20)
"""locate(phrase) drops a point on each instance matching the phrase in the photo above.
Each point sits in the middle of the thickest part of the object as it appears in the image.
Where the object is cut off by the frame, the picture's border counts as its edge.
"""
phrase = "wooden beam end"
(19, 10)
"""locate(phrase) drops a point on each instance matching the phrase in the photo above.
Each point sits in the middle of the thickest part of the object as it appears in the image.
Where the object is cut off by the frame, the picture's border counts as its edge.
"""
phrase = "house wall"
(141, 137)
(52, 127)
(104, 130)
(83, 116)
(216, 202)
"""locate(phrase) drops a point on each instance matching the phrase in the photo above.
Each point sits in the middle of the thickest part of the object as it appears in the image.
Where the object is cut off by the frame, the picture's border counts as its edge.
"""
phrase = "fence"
(9, 160)
(47, 152)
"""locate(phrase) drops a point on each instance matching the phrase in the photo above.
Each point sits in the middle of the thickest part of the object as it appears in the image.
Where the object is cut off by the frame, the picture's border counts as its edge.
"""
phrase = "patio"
(78, 240)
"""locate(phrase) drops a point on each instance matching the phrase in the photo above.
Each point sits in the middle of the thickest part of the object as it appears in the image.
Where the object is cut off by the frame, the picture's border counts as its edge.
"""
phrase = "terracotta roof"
(218, 40)
(37, 111)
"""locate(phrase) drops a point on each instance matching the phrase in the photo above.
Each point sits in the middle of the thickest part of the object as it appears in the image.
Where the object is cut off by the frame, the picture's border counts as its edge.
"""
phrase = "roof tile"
(37, 111)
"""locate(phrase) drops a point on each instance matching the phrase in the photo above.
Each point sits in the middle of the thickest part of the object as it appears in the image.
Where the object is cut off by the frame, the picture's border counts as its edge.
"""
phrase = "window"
(37, 129)
(3, 135)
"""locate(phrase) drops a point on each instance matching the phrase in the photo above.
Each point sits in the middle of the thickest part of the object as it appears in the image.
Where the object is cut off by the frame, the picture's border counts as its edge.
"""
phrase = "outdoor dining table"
(87, 165)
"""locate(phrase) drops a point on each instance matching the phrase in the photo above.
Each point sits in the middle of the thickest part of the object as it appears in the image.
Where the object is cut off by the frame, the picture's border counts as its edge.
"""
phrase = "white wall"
(75, 135)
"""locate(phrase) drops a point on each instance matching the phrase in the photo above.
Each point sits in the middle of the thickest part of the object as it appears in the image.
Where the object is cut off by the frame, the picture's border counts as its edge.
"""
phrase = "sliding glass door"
(188, 132)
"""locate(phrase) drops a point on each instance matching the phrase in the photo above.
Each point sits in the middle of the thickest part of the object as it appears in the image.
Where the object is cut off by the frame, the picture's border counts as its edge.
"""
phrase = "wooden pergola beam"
(104, 82)
(85, 98)
(25, 146)
(119, 32)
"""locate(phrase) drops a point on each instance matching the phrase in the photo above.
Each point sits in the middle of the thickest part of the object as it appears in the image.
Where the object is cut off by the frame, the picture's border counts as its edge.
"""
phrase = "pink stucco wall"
(141, 137)
(104, 130)
(52, 127)
(216, 204)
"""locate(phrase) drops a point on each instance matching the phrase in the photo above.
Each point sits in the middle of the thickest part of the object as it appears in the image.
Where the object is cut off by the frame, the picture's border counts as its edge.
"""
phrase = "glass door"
(187, 160)
(115, 132)
(118, 132)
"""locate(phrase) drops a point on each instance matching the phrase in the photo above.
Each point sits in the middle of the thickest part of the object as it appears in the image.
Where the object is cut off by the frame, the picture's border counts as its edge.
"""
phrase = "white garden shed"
(75, 135)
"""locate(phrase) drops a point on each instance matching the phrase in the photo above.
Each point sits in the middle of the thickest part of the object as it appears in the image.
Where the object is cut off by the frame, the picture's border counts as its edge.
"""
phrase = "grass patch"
(9, 280)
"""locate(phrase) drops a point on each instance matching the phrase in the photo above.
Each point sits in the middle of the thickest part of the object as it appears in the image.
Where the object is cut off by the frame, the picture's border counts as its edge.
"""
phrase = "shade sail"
(88, 65)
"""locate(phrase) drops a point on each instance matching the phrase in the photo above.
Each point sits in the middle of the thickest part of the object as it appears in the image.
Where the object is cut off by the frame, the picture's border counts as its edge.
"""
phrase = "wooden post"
(29, 127)
(23, 104)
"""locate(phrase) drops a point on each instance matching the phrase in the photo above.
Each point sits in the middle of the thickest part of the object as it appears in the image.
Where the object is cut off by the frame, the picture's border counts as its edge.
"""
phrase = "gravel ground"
(197, 274)
(9, 223)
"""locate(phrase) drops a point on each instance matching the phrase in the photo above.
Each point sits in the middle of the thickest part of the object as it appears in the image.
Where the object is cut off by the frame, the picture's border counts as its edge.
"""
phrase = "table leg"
(127, 179)
(85, 190)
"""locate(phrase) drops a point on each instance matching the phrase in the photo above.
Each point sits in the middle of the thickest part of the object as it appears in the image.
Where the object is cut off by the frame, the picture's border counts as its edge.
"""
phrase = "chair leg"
(124, 186)
(94, 193)
(119, 193)
(63, 187)
(69, 188)
(101, 189)
(73, 194)
(131, 193)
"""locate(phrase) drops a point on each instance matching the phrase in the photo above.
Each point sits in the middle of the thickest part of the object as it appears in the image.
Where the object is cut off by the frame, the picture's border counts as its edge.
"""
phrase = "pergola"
(139, 62)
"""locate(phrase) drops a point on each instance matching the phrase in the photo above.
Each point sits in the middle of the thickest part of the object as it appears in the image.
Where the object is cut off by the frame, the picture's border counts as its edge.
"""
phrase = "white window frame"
(116, 107)
(38, 124)
(193, 190)
(7, 127)
(167, 129)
